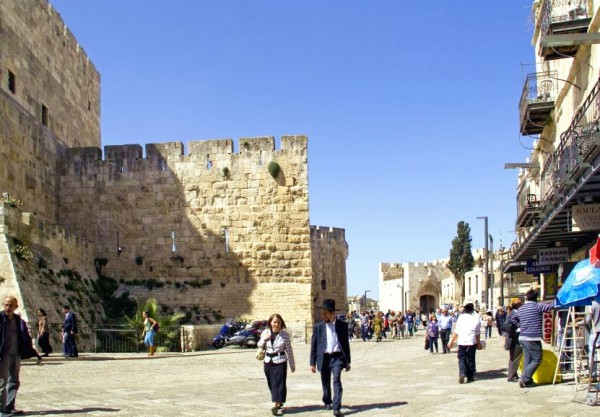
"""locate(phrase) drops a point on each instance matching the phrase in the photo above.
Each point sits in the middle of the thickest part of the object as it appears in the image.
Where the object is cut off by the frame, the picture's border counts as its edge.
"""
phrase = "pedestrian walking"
(44, 332)
(445, 324)
(15, 343)
(150, 329)
(511, 342)
(330, 353)
(69, 332)
(467, 335)
(278, 356)
(433, 332)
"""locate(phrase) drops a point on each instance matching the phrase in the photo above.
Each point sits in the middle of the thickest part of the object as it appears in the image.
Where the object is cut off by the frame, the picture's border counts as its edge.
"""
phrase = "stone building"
(412, 286)
(557, 198)
(207, 225)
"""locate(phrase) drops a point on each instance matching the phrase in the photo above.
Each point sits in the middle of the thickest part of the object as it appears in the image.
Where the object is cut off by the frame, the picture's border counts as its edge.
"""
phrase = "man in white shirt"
(467, 333)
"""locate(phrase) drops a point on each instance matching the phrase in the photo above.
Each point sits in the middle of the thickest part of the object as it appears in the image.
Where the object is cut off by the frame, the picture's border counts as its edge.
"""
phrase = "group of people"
(16, 344)
(368, 324)
(329, 354)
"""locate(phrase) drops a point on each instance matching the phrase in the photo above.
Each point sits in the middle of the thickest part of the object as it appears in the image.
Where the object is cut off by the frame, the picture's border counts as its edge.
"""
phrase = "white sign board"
(553, 256)
(586, 217)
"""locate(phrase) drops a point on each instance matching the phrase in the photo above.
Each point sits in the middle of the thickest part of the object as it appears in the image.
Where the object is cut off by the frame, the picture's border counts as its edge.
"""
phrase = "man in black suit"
(69, 332)
(330, 353)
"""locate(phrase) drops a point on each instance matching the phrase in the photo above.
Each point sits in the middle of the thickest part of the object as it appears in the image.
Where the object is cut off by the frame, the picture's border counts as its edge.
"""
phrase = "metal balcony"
(559, 20)
(537, 102)
(570, 176)
(528, 209)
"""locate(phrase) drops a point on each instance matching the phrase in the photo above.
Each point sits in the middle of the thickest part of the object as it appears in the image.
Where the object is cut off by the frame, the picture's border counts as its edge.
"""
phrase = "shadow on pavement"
(492, 374)
(352, 409)
(77, 411)
(376, 406)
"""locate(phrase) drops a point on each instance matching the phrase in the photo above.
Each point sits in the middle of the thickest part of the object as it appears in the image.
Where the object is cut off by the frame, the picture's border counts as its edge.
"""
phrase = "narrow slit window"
(208, 162)
(44, 115)
(323, 284)
(12, 82)
(226, 240)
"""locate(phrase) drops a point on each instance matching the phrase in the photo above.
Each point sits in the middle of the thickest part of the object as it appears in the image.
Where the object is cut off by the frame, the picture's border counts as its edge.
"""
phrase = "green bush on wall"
(274, 169)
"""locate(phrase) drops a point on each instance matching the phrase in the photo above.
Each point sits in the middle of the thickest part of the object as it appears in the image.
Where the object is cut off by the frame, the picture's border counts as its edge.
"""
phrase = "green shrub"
(274, 169)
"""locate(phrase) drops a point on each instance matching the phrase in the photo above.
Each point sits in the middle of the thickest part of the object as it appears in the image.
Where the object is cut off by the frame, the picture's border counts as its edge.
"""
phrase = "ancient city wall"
(29, 155)
(405, 284)
(45, 268)
(43, 67)
(213, 226)
(49, 100)
(329, 251)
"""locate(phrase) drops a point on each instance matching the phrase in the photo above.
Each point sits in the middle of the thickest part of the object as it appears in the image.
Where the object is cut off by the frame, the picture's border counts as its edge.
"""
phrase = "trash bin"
(544, 374)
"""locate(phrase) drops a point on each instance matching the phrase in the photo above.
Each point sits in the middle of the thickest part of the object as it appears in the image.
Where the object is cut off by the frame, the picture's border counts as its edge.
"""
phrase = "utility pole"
(492, 272)
(487, 293)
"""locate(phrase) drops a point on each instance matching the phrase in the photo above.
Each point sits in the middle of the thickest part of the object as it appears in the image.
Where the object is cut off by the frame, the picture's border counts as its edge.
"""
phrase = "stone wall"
(50, 69)
(210, 228)
(45, 268)
(49, 100)
(213, 225)
(412, 285)
(329, 251)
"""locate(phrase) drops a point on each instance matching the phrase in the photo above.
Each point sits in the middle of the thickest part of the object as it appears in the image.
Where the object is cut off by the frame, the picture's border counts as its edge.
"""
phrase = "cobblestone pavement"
(391, 378)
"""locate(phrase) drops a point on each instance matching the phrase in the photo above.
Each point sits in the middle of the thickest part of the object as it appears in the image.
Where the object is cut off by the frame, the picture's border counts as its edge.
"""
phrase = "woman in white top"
(467, 333)
(277, 356)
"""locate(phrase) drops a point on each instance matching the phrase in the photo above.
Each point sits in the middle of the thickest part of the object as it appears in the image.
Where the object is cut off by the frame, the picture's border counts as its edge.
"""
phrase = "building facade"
(558, 198)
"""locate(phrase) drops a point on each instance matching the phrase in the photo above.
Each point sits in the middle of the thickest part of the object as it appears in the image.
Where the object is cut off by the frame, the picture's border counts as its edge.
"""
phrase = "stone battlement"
(329, 233)
(159, 156)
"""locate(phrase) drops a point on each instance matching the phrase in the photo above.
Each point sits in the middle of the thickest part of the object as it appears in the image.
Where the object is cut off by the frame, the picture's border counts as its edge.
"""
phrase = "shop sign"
(547, 326)
(535, 268)
(586, 217)
(553, 256)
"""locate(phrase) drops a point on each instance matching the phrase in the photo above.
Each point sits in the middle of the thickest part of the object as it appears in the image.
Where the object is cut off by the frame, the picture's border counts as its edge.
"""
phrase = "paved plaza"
(391, 378)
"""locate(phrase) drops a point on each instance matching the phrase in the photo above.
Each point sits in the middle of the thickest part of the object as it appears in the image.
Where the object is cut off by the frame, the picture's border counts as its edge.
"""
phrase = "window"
(469, 285)
(44, 115)
(12, 82)
(323, 284)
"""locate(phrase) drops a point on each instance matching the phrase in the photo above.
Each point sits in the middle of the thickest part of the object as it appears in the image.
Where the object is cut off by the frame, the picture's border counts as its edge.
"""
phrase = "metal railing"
(559, 11)
(537, 100)
(114, 339)
(578, 145)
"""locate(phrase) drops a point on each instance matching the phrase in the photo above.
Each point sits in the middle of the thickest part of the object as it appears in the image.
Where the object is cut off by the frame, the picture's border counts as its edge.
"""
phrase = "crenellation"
(259, 143)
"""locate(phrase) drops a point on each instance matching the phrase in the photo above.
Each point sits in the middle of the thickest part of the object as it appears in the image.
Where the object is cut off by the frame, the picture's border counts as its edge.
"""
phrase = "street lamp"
(485, 238)
(366, 299)
(492, 274)
(501, 249)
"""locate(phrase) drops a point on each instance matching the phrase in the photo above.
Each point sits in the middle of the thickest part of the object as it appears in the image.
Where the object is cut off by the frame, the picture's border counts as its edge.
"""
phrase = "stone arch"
(429, 297)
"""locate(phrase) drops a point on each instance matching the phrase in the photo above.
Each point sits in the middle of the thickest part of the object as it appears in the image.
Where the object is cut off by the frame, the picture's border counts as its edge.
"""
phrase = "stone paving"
(391, 378)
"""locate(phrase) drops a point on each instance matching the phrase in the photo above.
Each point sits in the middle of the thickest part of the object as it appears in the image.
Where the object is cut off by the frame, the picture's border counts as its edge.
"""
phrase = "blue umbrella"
(581, 286)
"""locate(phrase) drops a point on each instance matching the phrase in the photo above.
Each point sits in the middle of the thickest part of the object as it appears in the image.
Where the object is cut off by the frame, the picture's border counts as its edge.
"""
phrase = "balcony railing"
(563, 17)
(528, 208)
(578, 146)
(537, 101)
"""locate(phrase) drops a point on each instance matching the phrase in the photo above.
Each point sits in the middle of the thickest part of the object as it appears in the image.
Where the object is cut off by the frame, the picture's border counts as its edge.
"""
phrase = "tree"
(461, 256)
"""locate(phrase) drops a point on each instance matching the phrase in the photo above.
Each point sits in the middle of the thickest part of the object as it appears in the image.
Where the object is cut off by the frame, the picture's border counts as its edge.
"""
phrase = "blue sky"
(411, 108)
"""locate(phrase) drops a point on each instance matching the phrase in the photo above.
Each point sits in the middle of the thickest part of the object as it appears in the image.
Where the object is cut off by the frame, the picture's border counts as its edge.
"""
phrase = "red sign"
(595, 254)
(547, 325)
